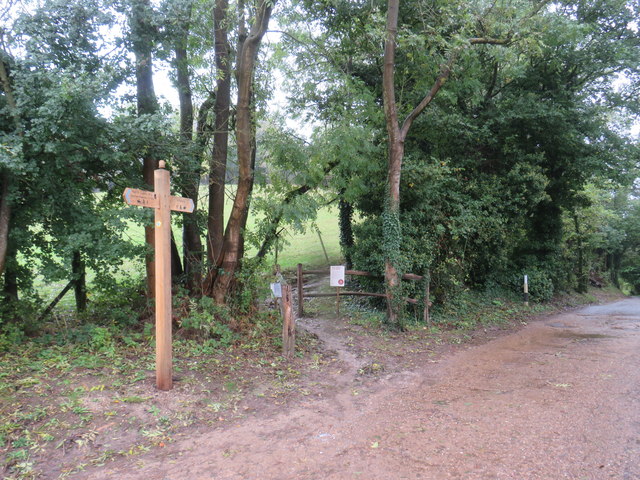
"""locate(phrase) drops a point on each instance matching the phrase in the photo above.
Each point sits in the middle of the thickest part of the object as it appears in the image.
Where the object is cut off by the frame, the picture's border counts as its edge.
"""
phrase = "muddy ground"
(556, 399)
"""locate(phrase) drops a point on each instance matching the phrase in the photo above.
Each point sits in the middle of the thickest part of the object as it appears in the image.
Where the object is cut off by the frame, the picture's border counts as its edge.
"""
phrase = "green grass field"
(305, 248)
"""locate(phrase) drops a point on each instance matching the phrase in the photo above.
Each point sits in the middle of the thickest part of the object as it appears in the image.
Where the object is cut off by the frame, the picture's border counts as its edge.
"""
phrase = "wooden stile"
(407, 276)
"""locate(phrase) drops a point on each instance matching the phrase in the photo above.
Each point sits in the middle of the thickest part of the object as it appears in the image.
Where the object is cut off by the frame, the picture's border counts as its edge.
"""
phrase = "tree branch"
(490, 41)
(289, 197)
(443, 76)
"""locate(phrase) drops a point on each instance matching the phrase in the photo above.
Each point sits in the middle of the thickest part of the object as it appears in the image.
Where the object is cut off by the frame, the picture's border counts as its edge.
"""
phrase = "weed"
(154, 410)
(132, 399)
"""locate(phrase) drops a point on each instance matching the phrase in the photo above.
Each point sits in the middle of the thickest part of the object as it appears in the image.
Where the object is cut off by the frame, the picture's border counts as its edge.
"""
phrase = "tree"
(513, 135)
(5, 203)
(143, 38)
(397, 133)
(58, 150)
(188, 157)
(228, 262)
(222, 113)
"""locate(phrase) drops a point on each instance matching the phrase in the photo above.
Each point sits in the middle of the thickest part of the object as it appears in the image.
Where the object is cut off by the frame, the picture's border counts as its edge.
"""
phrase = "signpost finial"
(161, 164)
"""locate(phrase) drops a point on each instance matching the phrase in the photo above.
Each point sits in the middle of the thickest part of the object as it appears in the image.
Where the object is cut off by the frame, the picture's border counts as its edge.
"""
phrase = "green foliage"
(541, 287)
(118, 304)
(11, 335)
(502, 154)
(209, 321)
(62, 149)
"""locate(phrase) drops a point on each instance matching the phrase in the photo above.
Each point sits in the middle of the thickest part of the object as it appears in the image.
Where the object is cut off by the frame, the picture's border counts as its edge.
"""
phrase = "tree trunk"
(79, 276)
(391, 232)
(5, 204)
(142, 34)
(396, 138)
(5, 217)
(583, 277)
(176, 264)
(233, 246)
(189, 163)
(345, 213)
(10, 288)
(218, 164)
(391, 217)
(243, 225)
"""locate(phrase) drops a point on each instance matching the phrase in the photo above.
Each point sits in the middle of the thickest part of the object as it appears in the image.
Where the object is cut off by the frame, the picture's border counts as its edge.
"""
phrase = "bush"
(541, 287)
(120, 304)
(630, 272)
(206, 320)
(10, 336)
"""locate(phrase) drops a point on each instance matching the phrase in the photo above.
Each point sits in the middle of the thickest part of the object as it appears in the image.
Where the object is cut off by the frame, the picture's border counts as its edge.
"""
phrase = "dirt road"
(559, 399)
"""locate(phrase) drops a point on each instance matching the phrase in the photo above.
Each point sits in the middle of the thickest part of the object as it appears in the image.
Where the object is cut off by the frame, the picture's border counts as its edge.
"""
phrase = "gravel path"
(559, 399)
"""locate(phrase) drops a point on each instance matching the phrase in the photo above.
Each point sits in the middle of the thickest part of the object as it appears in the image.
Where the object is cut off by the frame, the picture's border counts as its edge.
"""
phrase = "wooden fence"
(360, 273)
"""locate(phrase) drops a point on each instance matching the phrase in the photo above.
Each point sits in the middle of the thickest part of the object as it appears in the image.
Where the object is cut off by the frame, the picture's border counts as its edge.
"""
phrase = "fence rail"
(407, 276)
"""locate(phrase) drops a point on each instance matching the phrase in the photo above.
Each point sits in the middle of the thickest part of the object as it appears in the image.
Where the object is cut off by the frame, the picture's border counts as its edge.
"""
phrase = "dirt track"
(559, 399)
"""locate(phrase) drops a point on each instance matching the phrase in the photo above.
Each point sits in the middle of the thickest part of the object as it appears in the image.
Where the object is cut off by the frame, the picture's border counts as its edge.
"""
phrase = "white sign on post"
(337, 276)
(276, 290)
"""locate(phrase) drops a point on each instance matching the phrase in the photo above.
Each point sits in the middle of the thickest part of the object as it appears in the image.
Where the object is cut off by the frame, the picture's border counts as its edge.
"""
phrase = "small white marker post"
(526, 290)
(336, 279)
(162, 201)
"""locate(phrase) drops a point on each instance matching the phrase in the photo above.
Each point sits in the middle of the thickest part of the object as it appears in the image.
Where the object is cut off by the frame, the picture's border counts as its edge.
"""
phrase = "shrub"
(206, 320)
(541, 286)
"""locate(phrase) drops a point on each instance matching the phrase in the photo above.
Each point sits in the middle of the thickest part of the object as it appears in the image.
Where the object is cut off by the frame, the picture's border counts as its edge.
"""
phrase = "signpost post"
(162, 201)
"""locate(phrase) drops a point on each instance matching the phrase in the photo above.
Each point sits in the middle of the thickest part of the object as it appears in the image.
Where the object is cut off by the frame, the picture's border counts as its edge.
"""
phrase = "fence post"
(427, 294)
(288, 324)
(300, 292)
(322, 243)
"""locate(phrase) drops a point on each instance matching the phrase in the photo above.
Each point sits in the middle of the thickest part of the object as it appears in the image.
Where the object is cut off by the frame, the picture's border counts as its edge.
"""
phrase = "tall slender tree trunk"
(190, 161)
(142, 34)
(345, 215)
(5, 177)
(243, 225)
(218, 164)
(10, 287)
(5, 217)
(233, 246)
(397, 134)
(583, 277)
(391, 218)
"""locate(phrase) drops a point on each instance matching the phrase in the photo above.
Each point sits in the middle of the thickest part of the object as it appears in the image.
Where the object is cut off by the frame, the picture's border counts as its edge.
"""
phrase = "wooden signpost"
(162, 201)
